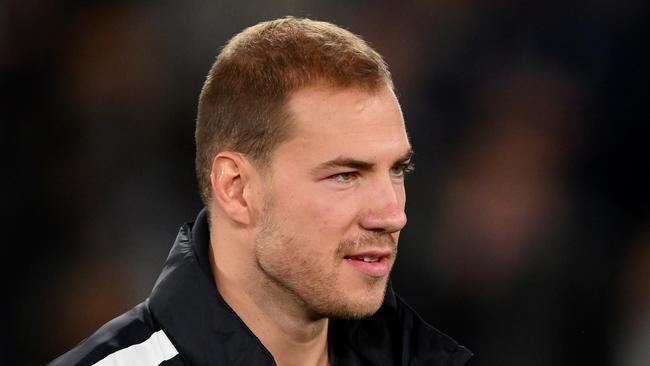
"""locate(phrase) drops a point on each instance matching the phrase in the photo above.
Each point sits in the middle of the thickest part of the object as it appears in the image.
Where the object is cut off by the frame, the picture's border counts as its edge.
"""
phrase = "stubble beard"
(293, 277)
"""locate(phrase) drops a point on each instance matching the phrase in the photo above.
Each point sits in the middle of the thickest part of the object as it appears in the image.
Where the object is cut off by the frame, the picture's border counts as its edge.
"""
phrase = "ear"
(229, 177)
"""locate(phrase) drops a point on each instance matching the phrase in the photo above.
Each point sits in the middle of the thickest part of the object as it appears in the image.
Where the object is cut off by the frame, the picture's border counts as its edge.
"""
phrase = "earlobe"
(228, 181)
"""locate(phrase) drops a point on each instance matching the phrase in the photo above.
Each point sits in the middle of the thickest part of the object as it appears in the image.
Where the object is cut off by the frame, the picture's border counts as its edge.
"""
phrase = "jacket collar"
(188, 307)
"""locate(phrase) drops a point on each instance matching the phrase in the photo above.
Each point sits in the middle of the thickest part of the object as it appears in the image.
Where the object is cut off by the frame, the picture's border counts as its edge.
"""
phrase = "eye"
(400, 170)
(345, 177)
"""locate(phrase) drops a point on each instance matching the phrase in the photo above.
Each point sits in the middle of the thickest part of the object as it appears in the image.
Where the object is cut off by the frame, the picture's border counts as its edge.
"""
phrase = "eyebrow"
(343, 162)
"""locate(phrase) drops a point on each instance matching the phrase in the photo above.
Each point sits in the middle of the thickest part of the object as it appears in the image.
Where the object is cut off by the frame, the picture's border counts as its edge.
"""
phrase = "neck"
(280, 322)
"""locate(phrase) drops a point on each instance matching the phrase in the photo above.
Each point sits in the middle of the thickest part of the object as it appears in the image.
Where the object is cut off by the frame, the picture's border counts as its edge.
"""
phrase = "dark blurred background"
(529, 228)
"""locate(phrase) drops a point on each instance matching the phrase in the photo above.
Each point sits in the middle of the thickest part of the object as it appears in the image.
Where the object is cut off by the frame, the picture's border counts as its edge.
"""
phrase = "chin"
(355, 307)
(358, 311)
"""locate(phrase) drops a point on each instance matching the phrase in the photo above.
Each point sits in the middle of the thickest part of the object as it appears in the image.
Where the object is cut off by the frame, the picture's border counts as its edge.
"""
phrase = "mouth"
(371, 263)
(364, 258)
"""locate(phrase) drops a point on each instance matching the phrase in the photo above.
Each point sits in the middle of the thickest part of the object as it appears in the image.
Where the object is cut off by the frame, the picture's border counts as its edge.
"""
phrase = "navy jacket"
(185, 321)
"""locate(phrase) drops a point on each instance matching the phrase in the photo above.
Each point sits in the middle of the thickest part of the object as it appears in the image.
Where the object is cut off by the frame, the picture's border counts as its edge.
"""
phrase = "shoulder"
(423, 342)
(127, 339)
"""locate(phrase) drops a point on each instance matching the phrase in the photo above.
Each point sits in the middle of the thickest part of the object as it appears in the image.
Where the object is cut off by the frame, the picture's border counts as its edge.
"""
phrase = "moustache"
(381, 241)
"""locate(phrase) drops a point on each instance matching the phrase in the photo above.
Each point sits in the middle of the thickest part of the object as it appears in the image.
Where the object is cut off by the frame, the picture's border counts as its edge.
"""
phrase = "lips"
(366, 259)
(370, 263)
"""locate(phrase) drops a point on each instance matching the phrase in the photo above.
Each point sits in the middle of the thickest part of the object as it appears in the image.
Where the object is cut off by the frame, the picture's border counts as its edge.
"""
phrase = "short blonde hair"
(241, 107)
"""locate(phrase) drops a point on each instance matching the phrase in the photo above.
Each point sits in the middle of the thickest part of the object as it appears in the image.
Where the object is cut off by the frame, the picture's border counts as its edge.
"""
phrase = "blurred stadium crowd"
(529, 221)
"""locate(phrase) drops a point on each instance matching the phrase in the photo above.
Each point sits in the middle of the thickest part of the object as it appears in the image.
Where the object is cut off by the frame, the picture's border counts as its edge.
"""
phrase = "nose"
(384, 208)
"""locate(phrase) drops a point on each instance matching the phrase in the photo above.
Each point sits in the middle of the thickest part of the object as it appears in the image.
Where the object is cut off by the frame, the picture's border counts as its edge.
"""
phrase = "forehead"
(331, 122)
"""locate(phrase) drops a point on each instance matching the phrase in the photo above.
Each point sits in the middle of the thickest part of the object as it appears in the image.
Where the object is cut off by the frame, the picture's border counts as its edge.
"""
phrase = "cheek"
(329, 214)
(315, 215)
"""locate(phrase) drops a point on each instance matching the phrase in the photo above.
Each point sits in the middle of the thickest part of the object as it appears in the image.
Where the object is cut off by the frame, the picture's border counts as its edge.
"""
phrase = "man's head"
(242, 104)
(301, 145)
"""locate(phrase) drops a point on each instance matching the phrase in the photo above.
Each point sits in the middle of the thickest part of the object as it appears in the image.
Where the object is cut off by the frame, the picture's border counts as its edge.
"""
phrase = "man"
(301, 156)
